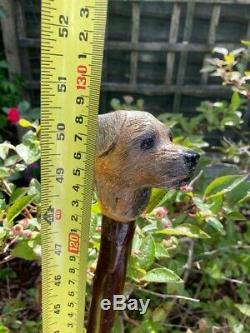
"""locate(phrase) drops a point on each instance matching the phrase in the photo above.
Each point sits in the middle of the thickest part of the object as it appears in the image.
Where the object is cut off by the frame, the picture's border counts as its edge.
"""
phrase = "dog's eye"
(147, 143)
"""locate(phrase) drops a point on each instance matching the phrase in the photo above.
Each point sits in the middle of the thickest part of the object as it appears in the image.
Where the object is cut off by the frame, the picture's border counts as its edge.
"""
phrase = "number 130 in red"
(81, 79)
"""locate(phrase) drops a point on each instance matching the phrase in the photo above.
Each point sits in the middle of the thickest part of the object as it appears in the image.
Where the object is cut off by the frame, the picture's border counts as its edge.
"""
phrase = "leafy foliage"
(232, 67)
(19, 205)
(204, 237)
(190, 249)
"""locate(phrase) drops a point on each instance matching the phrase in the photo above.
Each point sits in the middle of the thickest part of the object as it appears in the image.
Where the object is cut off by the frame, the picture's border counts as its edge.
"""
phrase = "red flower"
(13, 115)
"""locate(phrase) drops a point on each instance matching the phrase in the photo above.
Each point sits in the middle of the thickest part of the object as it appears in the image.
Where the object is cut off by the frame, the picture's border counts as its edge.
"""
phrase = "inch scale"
(71, 62)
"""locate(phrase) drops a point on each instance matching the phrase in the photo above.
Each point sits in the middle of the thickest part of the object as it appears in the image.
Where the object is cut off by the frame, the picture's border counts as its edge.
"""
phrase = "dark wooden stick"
(110, 275)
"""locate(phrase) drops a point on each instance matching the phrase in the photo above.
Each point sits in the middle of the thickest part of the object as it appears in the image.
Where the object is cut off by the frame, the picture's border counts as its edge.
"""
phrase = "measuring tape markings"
(71, 64)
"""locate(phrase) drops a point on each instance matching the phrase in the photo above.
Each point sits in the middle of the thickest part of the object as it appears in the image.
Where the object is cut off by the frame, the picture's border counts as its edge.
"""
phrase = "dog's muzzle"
(190, 158)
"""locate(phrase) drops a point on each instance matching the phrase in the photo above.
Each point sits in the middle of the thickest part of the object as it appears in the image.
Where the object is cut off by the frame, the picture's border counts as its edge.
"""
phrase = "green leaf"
(29, 138)
(137, 240)
(23, 151)
(223, 184)
(238, 51)
(159, 314)
(24, 250)
(235, 101)
(188, 230)
(133, 268)
(161, 275)
(115, 103)
(20, 167)
(35, 223)
(29, 153)
(216, 202)
(238, 192)
(23, 107)
(213, 270)
(235, 216)
(11, 160)
(93, 225)
(4, 172)
(35, 189)
(161, 251)
(208, 68)
(244, 309)
(2, 204)
(17, 193)
(4, 329)
(245, 42)
(215, 224)
(4, 149)
(156, 196)
(162, 196)
(140, 104)
(232, 119)
(2, 233)
(18, 206)
(147, 252)
(95, 208)
(203, 207)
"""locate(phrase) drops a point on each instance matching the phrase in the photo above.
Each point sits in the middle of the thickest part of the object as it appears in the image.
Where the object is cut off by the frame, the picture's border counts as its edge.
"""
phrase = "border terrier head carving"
(135, 153)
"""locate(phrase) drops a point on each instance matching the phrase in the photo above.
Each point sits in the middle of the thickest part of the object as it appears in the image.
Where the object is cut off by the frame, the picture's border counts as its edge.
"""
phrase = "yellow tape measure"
(72, 51)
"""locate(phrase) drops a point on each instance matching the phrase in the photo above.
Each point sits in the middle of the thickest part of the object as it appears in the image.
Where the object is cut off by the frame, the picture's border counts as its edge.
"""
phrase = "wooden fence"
(153, 49)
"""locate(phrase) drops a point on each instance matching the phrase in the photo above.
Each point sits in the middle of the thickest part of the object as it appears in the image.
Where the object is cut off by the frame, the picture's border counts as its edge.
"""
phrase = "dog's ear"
(109, 127)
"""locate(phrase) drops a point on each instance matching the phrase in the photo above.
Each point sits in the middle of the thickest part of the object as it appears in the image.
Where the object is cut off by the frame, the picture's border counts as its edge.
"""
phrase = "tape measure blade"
(71, 62)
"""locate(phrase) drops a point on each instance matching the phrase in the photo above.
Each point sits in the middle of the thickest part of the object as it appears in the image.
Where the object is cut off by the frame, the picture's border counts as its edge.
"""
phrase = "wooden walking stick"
(110, 274)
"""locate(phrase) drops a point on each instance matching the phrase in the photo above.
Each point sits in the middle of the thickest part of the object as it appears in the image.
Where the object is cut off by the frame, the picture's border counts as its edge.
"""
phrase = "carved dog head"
(135, 153)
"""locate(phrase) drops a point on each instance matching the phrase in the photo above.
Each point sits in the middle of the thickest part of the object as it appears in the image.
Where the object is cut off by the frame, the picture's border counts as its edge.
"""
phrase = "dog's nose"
(191, 157)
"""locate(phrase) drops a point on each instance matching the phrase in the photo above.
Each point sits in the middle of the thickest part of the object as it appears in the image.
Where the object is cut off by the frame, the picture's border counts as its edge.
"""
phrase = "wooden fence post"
(10, 38)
